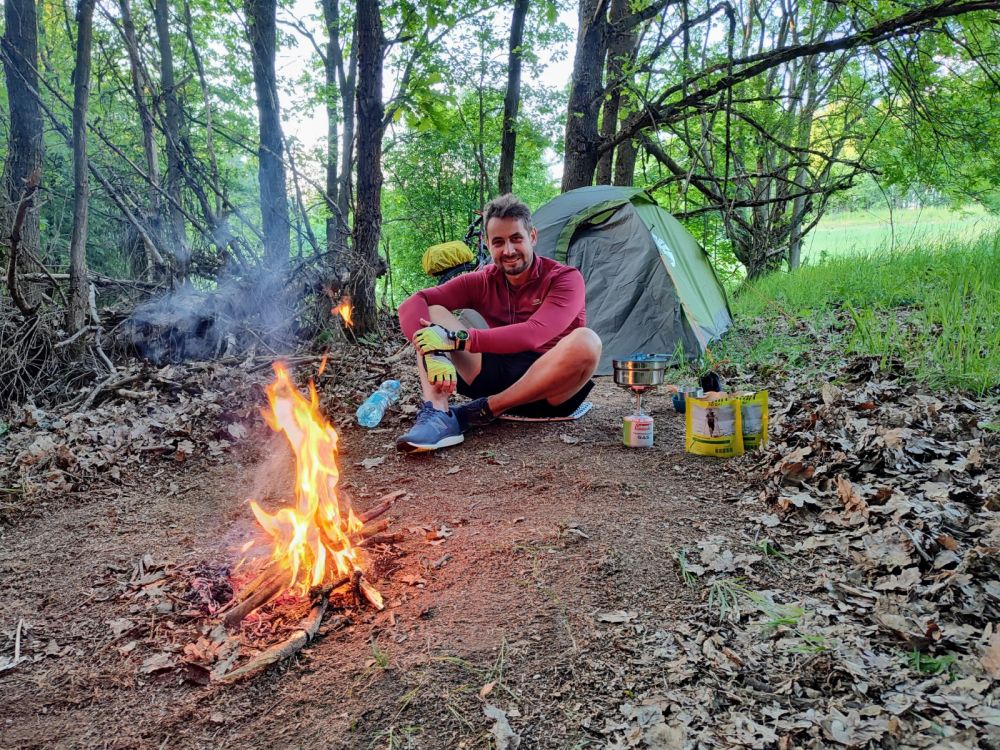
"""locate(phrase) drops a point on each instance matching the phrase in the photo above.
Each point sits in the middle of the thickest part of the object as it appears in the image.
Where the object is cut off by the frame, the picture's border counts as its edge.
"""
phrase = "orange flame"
(312, 539)
(344, 310)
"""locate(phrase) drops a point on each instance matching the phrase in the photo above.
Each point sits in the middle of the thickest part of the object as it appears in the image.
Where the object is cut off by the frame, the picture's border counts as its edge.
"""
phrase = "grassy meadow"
(848, 233)
(930, 312)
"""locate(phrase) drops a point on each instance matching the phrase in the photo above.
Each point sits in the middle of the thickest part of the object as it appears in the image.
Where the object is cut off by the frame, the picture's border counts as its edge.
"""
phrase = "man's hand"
(435, 338)
(441, 372)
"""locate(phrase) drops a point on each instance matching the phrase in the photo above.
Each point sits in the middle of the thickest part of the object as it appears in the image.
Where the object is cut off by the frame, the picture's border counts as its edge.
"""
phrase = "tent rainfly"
(650, 285)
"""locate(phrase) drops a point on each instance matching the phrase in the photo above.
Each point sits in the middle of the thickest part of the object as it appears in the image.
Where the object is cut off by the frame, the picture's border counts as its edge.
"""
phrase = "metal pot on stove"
(646, 370)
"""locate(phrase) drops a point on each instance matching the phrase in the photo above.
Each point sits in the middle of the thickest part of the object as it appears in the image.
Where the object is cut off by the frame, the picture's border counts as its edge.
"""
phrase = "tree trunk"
(331, 16)
(348, 109)
(586, 92)
(621, 48)
(625, 163)
(803, 141)
(76, 313)
(371, 126)
(25, 146)
(340, 162)
(140, 85)
(512, 99)
(207, 98)
(271, 170)
(172, 134)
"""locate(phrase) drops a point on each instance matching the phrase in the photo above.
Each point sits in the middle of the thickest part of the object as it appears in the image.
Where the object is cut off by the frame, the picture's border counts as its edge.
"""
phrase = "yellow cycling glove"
(440, 370)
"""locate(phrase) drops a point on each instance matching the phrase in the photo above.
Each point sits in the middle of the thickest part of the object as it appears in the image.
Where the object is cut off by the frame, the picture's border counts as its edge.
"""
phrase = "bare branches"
(664, 110)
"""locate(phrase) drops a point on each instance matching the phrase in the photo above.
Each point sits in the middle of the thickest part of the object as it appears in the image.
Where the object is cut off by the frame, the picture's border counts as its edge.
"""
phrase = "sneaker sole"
(424, 447)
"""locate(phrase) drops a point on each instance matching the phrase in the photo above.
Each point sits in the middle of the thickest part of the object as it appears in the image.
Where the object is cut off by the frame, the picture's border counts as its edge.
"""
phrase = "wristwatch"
(461, 339)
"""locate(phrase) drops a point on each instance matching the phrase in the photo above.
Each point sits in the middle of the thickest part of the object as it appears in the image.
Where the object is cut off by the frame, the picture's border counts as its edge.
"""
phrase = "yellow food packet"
(753, 415)
(727, 426)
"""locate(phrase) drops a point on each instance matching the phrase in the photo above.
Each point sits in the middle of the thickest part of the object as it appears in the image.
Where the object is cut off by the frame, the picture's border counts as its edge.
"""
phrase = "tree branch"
(27, 198)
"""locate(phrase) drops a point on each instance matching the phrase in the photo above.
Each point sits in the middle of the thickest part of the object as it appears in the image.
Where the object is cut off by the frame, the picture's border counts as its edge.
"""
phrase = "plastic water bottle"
(371, 411)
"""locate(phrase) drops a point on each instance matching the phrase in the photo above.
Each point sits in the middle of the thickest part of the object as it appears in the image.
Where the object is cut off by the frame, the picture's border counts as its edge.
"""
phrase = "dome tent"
(650, 285)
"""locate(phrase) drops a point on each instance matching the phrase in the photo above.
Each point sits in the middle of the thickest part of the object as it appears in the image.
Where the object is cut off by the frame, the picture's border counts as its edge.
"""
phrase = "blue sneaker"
(433, 429)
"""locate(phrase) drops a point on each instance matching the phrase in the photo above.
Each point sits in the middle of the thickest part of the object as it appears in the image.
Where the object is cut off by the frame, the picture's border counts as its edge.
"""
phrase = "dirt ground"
(561, 576)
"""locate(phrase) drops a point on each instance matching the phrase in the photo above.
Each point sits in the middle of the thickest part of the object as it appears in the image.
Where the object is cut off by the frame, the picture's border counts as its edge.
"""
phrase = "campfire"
(315, 542)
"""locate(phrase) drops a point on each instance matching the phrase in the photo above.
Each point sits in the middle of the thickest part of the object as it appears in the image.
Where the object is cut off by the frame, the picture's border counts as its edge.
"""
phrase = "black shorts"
(500, 371)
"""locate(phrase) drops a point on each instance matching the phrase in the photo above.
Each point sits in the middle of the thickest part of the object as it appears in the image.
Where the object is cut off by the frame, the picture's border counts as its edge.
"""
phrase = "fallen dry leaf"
(991, 656)
(618, 616)
(156, 663)
(487, 689)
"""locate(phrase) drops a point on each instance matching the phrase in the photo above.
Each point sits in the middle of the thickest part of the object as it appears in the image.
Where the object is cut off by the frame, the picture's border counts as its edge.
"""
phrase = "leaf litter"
(861, 608)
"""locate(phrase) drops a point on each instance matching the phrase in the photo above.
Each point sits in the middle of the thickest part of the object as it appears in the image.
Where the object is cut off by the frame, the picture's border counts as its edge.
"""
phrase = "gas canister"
(637, 431)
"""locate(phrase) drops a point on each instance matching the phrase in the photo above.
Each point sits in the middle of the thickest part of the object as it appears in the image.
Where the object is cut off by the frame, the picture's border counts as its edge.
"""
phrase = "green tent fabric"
(650, 285)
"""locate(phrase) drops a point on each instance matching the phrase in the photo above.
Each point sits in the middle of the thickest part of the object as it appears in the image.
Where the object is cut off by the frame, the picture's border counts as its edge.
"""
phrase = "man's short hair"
(507, 206)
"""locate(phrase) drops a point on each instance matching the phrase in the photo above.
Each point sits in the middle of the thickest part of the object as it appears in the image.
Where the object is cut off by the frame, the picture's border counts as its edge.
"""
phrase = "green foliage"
(440, 170)
(936, 309)
(940, 134)
(687, 576)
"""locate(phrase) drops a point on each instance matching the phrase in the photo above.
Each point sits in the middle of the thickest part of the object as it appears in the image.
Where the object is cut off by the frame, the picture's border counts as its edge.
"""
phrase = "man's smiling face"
(512, 245)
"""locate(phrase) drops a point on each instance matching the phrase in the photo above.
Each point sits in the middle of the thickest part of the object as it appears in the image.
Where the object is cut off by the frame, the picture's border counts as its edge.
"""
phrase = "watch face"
(462, 335)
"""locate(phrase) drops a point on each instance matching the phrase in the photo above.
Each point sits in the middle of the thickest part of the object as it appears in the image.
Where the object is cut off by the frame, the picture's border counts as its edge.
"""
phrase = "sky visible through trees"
(310, 126)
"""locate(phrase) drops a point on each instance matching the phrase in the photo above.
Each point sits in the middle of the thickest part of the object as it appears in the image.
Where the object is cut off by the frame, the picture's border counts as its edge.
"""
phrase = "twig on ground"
(300, 637)
(71, 339)
(290, 361)
(384, 503)
(104, 385)
(17, 641)
(17, 648)
(399, 354)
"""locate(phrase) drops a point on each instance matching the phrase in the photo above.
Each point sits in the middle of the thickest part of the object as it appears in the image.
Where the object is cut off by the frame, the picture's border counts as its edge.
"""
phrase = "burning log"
(273, 579)
(393, 538)
(369, 531)
(256, 594)
(371, 594)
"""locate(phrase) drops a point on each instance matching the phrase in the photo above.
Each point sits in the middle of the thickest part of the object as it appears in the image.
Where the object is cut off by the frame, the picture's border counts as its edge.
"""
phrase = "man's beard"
(520, 268)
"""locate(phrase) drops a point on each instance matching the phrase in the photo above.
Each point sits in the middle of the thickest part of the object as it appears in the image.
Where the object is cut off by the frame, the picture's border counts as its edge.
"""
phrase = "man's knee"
(437, 311)
(583, 346)
(466, 318)
(472, 319)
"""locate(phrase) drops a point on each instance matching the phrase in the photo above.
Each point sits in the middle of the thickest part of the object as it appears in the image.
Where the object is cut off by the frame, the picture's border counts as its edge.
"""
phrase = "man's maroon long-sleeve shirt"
(531, 317)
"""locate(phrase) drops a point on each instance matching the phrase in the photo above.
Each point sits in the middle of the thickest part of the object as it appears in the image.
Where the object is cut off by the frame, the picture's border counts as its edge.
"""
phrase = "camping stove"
(639, 373)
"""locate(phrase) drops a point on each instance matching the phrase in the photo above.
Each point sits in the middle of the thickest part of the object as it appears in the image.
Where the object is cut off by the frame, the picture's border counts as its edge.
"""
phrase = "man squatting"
(519, 342)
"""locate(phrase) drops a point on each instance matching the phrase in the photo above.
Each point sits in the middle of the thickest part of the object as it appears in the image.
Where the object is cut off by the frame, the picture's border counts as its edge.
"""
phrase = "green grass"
(933, 308)
(926, 664)
(855, 232)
